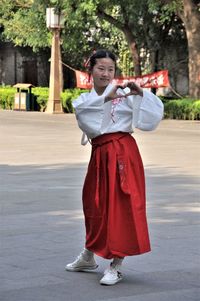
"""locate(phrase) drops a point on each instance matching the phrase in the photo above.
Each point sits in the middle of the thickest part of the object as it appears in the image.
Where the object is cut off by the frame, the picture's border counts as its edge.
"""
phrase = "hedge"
(7, 95)
(67, 97)
(187, 109)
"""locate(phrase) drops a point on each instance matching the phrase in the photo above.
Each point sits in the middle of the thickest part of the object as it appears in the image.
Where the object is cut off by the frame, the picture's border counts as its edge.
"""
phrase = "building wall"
(7, 61)
(174, 57)
(21, 65)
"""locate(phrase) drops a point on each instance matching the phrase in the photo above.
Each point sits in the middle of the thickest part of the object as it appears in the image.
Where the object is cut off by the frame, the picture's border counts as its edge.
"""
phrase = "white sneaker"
(111, 276)
(80, 264)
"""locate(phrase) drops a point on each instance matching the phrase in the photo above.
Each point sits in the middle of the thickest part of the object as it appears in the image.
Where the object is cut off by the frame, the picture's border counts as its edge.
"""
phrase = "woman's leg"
(117, 262)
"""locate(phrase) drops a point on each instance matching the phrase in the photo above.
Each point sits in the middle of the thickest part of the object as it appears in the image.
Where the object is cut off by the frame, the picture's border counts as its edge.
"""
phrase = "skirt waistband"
(106, 138)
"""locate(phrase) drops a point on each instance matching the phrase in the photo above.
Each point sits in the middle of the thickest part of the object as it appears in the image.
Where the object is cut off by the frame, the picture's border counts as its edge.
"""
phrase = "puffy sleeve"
(89, 113)
(150, 113)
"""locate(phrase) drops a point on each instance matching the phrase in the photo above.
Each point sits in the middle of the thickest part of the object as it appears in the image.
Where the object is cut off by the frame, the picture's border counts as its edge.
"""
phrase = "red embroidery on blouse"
(115, 102)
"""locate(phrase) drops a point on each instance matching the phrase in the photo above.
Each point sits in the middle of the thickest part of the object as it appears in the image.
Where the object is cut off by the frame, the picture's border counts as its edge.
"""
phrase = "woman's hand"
(134, 90)
(113, 93)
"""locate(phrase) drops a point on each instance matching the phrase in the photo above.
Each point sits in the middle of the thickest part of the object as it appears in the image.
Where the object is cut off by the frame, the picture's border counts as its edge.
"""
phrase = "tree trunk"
(191, 19)
(129, 36)
(194, 64)
(134, 51)
(154, 65)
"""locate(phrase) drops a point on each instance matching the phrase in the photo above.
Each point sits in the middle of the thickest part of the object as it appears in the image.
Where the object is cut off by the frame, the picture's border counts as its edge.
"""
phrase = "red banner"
(83, 80)
(153, 80)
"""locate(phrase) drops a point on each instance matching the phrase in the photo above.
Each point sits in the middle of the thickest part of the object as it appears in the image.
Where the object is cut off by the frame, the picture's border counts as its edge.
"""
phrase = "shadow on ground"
(42, 228)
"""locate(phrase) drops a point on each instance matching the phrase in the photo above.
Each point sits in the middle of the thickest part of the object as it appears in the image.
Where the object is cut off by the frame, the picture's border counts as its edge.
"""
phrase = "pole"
(54, 103)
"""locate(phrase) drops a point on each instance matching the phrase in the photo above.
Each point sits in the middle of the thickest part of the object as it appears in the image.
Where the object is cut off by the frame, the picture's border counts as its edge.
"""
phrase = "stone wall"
(21, 65)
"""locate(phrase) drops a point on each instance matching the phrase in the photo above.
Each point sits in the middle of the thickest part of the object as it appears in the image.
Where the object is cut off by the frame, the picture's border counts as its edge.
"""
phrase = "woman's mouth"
(104, 79)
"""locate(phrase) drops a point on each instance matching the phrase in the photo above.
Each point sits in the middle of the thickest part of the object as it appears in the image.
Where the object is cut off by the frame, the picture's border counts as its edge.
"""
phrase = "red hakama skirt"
(114, 198)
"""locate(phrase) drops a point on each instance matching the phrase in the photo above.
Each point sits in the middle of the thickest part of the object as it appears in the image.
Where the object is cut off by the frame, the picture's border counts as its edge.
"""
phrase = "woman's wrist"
(141, 93)
(106, 99)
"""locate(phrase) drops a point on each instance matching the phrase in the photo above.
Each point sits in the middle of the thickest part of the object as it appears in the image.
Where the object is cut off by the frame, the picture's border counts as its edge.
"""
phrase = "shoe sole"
(110, 283)
(80, 269)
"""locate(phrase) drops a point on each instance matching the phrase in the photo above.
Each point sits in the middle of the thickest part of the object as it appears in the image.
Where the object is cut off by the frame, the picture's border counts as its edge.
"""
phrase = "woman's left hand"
(134, 89)
(113, 93)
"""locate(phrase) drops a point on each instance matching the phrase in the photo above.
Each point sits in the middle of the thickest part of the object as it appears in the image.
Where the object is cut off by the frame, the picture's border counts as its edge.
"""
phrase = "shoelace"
(112, 271)
(79, 257)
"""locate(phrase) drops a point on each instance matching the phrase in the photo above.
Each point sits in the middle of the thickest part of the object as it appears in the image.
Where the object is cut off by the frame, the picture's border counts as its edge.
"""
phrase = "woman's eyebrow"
(105, 66)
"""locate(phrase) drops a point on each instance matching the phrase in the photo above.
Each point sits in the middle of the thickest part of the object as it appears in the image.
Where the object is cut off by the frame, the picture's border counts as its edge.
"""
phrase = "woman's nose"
(105, 72)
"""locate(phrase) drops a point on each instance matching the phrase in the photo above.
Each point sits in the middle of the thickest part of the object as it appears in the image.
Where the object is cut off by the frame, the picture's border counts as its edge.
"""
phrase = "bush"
(41, 95)
(67, 98)
(195, 114)
(7, 96)
(186, 109)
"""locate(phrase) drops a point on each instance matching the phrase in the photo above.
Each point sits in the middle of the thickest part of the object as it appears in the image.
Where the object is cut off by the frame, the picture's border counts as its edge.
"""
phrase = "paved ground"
(42, 167)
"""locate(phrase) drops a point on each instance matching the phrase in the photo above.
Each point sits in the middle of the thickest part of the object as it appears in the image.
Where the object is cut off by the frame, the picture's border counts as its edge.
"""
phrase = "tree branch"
(101, 14)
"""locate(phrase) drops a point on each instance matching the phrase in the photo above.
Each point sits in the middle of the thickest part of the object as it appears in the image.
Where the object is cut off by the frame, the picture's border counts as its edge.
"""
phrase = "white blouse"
(122, 114)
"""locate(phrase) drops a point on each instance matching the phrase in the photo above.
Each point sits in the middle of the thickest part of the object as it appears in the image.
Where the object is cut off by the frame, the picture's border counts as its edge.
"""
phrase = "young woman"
(114, 189)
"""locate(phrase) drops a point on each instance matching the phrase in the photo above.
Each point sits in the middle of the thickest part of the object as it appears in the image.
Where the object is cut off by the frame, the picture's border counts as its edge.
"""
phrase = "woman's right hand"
(113, 93)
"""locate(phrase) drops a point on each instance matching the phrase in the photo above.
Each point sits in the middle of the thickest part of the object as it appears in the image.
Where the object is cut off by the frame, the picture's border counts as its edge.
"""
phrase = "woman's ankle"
(88, 255)
(117, 262)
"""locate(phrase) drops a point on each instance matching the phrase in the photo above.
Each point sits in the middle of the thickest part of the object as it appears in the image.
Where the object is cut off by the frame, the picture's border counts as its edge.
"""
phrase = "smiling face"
(103, 73)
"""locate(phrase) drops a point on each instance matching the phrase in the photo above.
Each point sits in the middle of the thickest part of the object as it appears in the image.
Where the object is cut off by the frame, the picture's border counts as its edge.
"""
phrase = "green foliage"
(42, 95)
(7, 95)
(166, 8)
(186, 109)
(24, 23)
(88, 29)
(67, 97)
(195, 114)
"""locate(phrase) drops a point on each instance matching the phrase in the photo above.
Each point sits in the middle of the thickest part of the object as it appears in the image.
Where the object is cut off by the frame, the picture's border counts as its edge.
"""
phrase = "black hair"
(99, 54)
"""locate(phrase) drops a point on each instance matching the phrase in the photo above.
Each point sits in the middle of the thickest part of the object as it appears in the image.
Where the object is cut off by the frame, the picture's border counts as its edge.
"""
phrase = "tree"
(189, 12)
(141, 28)
(190, 16)
(128, 17)
(23, 22)
(126, 24)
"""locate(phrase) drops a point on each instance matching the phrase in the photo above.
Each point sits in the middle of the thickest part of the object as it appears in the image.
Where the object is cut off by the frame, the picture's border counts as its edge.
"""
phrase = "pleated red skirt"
(114, 198)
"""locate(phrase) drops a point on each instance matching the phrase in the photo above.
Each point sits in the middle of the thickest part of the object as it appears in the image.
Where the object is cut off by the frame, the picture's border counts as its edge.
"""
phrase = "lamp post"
(54, 23)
